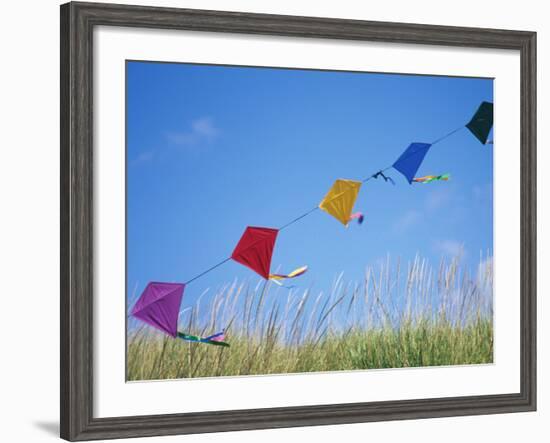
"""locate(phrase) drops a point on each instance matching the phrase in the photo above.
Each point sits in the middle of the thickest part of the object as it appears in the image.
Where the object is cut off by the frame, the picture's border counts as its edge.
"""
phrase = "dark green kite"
(481, 123)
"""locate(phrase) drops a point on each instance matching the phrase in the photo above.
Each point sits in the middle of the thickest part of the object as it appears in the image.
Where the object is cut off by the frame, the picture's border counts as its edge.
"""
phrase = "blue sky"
(212, 149)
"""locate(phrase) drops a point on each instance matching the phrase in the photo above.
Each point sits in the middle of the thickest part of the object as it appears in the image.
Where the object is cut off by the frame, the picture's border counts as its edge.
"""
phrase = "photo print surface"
(285, 221)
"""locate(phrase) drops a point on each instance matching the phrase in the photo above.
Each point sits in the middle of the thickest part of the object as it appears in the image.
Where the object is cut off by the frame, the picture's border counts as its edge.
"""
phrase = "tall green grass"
(395, 317)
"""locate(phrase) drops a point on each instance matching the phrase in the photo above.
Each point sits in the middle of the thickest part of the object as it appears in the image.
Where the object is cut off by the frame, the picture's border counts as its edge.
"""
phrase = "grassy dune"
(395, 318)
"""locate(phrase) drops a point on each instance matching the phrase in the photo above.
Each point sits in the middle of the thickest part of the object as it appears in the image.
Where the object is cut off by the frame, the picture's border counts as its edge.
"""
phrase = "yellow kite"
(340, 199)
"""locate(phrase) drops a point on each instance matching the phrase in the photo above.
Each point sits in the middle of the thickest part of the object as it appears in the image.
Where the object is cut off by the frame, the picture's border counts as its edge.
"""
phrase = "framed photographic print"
(273, 221)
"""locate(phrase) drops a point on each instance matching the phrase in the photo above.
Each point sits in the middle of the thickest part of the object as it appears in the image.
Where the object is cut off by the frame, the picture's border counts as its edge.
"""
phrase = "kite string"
(410, 155)
(448, 135)
(305, 214)
(376, 173)
(207, 271)
(312, 210)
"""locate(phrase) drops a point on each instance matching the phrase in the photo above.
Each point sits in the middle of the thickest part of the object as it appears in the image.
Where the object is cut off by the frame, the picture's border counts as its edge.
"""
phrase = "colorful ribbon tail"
(293, 274)
(424, 179)
(194, 338)
(431, 178)
(359, 216)
(188, 337)
(282, 285)
(220, 336)
(215, 343)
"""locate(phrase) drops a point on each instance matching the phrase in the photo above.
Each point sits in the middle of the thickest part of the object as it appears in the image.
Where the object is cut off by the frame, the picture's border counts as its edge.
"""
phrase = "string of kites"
(159, 303)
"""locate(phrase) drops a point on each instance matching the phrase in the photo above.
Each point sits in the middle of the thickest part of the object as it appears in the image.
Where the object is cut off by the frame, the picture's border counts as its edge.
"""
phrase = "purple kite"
(159, 306)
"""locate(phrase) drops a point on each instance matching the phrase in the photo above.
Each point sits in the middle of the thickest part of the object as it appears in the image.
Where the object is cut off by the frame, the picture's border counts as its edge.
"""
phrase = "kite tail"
(209, 341)
(432, 178)
(425, 179)
(295, 273)
(359, 216)
(220, 336)
(385, 177)
(215, 343)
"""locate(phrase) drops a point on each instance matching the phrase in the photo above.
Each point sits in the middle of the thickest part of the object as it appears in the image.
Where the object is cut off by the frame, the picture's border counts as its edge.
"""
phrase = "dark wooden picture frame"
(77, 23)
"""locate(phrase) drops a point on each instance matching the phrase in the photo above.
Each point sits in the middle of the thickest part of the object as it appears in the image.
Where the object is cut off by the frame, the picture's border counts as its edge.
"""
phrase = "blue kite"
(410, 160)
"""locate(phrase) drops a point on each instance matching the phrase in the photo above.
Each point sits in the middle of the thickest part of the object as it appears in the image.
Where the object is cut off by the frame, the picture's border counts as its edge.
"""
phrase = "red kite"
(255, 249)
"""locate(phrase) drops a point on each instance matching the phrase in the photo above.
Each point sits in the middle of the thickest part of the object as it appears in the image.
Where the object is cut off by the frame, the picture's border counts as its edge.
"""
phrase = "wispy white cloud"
(437, 198)
(451, 248)
(205, 127)
(406, 221)
(201, 130)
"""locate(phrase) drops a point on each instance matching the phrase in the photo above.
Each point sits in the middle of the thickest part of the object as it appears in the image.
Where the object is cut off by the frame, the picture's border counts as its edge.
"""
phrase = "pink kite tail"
(359, 216)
